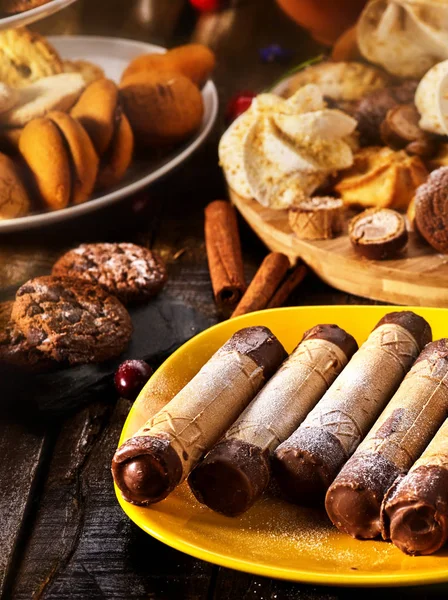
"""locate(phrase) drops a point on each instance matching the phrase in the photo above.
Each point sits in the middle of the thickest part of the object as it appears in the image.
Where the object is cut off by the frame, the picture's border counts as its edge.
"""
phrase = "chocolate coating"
(415, 511)
(417, 326)
(335, 335)
(353, 501)
(301, 474)
(261, 345)
(146, 469)
(232, 477)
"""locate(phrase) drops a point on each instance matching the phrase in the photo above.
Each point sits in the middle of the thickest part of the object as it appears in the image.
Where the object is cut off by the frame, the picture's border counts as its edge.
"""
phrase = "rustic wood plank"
(22, 449)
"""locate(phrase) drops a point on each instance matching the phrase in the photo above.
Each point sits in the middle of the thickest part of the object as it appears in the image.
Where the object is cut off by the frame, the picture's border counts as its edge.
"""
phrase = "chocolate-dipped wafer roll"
(308, 461)
(414, 514)
(397, 439)
(237, 470)
(148, 466)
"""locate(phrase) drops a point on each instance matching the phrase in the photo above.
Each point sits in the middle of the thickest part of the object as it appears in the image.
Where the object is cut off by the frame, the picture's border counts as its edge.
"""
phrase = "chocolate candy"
(378, 233)
(148, 466)
(237, 470)
(397, 439)
(414, 514)
(308, 461)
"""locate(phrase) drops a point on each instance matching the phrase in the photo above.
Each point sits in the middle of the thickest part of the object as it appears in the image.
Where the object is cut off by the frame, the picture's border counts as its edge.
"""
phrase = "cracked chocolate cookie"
(130, 272)
(69, 320)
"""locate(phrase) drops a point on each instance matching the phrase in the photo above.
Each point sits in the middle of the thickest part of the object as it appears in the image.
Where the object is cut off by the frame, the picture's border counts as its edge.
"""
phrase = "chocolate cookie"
(15, 351)
(72, 321)
(130, 272)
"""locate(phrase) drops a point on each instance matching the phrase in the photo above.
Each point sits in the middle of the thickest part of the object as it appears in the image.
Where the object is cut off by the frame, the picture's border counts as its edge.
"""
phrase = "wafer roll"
(148, 466)
(397, 439)
(307, 462)
(414, 513)
(237, 470)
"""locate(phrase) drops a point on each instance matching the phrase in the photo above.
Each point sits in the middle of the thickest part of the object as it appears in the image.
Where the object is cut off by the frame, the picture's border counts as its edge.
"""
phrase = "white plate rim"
(46, 218)
(34, 14)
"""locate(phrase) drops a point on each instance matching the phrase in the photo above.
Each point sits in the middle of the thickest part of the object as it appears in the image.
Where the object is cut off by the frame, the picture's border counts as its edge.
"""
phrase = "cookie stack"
(70, 132)
(77, 315)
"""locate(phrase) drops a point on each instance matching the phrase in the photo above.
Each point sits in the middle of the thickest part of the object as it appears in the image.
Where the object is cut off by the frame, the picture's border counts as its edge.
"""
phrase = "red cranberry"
(238, 105)
(207, 5)
(130, 378)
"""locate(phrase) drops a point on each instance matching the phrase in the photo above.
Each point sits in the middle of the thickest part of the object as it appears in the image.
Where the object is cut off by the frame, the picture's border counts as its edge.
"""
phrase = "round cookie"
(69, 320)
(96, 110)
(14, 199)
(130, 272)
(42, 147)
(15, 351)
(84, 160)
(117, 159)
(195, 61)
(12, 7)
(163, 108)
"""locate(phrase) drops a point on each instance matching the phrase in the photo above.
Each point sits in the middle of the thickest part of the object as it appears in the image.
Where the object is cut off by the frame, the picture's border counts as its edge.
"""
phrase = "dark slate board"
(160, 327)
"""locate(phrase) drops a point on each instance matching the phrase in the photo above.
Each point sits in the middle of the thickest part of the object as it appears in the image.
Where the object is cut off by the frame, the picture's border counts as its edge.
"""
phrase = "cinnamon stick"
(223, 247)
(264, 285)
(288, 286)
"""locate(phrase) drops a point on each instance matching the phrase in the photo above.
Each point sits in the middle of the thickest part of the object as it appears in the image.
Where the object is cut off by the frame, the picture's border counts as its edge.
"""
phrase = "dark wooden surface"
(62, 533)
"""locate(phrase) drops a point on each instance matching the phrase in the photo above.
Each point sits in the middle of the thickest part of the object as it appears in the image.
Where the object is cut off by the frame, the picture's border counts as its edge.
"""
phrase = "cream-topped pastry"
(431, 99)
(280, 151)
(406, 37)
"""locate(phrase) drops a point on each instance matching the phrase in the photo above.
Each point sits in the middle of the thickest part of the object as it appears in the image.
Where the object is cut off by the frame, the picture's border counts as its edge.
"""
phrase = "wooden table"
(62, 533)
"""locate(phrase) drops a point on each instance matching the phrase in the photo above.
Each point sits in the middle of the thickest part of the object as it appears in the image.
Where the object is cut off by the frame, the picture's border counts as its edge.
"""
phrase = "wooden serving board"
(419, 277)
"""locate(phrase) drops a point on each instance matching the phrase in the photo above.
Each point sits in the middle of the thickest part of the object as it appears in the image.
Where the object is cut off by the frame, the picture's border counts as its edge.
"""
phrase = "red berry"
(207, 5)
(130, 378)
(238, 105)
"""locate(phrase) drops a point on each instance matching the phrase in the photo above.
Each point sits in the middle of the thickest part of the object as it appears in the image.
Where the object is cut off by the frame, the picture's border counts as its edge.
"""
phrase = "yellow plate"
(274, 538)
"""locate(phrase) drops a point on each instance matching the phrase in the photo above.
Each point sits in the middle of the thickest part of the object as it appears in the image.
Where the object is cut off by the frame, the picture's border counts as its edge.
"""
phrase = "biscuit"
(15, 351)
(12, 7)
(163, 108)
(43, 149)
(89, 71)
(25, 57)
(83, 158)
(14, 199)
(130, 272)
(58, 92)
(195, 61)
(96, 110)
(69, 320)
(8, 97)
(117, 159)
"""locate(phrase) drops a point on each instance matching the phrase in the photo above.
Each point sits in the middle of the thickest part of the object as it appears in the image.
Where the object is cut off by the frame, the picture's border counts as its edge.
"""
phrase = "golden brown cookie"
(43, 149)
(118, 158)
(195, 61)
(163, 108)
(25, 57)
(96, 110)
(14, 199)
(12, 7)
(89, 71)
(83, 158)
